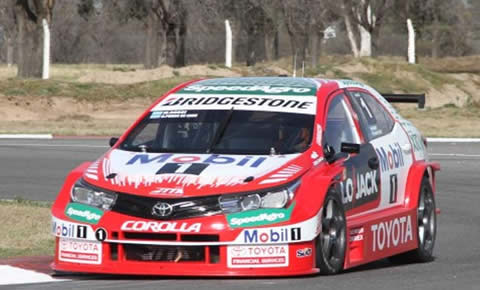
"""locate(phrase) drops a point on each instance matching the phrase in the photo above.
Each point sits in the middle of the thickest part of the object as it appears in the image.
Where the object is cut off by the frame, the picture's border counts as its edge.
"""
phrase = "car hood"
(171, 175)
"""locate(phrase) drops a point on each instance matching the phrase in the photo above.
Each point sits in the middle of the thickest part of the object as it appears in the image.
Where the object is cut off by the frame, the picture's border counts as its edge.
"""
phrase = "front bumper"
(182, 249)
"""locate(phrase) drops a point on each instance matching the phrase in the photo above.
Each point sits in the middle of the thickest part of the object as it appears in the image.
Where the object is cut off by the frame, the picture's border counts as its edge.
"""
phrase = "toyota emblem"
(162, 209)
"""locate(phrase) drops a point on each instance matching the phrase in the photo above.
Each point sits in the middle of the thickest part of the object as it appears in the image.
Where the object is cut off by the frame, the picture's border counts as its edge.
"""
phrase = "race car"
(252, 176)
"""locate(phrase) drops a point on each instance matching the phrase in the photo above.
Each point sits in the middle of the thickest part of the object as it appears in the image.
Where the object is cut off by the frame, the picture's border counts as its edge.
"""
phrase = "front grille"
(140, 206)
(164, 253)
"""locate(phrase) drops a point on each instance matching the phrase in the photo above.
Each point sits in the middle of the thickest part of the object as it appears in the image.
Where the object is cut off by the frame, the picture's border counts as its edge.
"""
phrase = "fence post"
(411, 42)
(46, 50)
(228, 44)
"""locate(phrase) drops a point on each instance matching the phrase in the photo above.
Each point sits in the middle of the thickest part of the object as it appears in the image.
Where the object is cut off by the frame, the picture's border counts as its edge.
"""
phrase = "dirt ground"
(449, 103)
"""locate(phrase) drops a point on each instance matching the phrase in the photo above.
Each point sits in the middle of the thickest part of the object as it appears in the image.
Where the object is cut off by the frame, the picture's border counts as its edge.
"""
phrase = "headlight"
(277, 198)
(87, 194)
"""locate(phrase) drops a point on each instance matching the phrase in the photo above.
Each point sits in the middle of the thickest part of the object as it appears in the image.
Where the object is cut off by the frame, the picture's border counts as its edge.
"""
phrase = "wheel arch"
(316, 185)
(415, 176)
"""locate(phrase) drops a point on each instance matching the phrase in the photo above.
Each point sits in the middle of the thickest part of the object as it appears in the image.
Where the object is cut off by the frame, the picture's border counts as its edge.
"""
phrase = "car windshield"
(221, 131)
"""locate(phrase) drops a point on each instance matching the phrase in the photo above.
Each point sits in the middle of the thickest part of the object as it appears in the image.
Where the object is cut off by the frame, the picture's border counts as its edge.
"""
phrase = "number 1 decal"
(185, 168)
(393, 188)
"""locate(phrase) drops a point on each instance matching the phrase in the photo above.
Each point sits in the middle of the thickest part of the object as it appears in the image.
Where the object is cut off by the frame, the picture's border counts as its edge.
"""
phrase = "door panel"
(394, 154)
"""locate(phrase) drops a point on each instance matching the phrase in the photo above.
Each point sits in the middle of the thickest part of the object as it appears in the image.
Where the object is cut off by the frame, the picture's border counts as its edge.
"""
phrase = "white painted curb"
(26, 136)
(453, 140)
(13, 275)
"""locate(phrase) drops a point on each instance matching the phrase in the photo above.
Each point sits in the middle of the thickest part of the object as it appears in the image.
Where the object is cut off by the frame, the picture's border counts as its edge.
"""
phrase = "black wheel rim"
(426, 220)
(333, 233)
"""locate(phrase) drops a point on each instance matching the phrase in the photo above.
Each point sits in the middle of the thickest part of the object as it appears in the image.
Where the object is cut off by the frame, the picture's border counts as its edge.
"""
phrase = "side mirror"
(329, 153)
(350, 148)
(113, 141)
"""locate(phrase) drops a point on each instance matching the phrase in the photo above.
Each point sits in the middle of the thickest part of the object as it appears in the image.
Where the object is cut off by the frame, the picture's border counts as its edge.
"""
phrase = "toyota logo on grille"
(162, 209)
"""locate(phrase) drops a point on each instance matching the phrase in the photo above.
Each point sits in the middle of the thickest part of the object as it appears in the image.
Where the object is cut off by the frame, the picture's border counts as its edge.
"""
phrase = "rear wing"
(406, 98)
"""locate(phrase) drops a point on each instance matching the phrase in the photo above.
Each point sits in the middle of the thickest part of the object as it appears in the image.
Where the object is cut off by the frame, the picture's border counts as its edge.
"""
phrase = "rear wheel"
(426, 227)
(331, 242)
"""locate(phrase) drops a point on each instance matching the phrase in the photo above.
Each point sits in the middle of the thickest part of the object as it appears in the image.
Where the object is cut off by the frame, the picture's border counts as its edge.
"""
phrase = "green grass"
(88, 91)
(25, 228)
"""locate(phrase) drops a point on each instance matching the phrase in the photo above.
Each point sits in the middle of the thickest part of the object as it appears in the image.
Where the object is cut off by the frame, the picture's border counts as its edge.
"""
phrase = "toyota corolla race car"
(252, 177)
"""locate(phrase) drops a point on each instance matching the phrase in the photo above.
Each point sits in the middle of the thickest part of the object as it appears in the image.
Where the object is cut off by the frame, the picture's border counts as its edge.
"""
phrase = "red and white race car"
(252, 177)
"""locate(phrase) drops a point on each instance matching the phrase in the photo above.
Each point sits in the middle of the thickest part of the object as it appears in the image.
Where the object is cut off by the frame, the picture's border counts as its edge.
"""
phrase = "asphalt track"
(35, 169)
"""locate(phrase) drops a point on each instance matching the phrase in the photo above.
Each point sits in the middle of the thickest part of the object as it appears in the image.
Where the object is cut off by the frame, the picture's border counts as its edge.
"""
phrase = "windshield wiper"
(220, 131)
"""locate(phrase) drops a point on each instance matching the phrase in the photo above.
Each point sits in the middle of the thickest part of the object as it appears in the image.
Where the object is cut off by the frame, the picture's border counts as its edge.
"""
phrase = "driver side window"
(339, 126)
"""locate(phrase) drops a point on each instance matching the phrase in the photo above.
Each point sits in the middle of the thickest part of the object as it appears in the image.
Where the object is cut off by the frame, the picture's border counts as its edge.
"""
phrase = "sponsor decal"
(83, 213)
(239, 101)
(360, 185)
(80, 251)
(304, 231)
(172, 115)
(303, 253)
(257, 256)
(417, 142)
(266, 89)
(69, 230)
(365, 187)
(177, 164)
(260, 217)
(271, 235)
(356, 234)
(319, 135)
(167, 191)
(160, 227)
(391, 157)
(392, 233)
(350, 83)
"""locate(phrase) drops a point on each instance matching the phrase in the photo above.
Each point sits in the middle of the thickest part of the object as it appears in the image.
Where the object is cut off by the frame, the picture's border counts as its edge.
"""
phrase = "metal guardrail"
(406, 98)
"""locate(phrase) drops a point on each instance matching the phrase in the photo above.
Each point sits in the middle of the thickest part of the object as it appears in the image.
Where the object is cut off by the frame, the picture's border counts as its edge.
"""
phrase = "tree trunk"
(171, 36)
(351, 36)
(29, 42)
(435, 37)
(251, 55)
(314, 50)
(304, 51)
(161, 48)
(269, 42)
(236, 29)
(365, 42)
(276, 45)
(181, 37)
(9, 51)
(151, 42)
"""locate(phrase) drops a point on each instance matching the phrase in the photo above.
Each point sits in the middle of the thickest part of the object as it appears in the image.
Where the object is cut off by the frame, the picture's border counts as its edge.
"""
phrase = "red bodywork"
(364, 223)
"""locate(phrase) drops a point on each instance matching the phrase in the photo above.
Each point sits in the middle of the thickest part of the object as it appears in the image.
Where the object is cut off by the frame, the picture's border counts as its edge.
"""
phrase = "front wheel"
(331, 242)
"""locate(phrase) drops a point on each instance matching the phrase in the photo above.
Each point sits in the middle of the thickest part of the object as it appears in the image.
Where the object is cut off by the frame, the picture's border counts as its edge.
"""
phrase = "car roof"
(261, 81)
(293, 82)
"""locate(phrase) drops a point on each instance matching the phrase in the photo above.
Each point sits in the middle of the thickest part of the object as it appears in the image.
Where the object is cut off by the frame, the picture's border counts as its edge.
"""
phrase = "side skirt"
(380, 235)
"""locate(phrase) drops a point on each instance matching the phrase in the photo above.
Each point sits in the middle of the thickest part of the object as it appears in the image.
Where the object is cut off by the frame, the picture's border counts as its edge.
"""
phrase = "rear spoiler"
(406, 98)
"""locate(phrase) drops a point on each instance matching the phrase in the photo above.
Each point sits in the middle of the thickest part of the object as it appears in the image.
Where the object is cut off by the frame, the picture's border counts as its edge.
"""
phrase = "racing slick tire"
(426, 228)
(330, 245)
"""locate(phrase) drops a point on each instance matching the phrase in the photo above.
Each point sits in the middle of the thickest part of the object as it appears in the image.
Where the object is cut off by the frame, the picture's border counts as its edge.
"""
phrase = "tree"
(166, 29)
(368, 14)
(362, 18)
(305, 21)
(7, 22)
(28, 19)
(444, 27)
(248, 19)
(297, 21)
